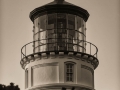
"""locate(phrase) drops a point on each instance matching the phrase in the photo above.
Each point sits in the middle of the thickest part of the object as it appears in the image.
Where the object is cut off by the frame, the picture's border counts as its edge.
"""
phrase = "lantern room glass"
(59, 32)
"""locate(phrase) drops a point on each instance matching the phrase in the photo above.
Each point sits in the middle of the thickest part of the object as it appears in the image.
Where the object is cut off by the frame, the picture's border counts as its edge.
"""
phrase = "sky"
(103, 30)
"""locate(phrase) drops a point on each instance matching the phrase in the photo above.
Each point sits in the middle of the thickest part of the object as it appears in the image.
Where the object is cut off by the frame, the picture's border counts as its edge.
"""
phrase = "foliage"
(9, 87)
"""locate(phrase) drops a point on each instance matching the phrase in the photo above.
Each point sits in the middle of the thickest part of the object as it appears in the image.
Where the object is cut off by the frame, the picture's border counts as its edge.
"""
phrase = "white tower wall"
(49, 72)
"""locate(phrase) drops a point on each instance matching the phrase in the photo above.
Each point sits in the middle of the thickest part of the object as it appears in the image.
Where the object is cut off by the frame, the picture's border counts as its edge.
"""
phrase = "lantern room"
(59, 32)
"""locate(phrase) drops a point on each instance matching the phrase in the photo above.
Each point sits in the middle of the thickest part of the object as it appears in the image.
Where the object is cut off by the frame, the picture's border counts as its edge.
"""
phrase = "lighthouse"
(59, 57)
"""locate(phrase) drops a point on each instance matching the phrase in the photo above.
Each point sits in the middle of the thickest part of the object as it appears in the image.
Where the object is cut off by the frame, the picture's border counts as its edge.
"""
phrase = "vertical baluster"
(38, 45)
(96, 52)
(90, 48)
(33, 46)
(25, 50)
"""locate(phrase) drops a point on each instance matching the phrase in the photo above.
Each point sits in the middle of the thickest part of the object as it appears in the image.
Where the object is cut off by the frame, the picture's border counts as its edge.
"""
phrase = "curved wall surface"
(51, 72)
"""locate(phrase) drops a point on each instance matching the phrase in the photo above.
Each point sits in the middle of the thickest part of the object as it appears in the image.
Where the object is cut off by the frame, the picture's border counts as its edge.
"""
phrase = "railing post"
(25, 50)
(33, 46)
(38, 45)
(90, 48)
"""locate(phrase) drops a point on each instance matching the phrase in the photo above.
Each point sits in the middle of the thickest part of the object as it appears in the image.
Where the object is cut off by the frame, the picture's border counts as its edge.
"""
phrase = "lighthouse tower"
(59, 57)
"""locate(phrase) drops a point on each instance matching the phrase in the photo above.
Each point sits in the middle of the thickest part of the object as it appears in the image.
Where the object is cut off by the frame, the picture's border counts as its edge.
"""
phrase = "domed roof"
(59, 6)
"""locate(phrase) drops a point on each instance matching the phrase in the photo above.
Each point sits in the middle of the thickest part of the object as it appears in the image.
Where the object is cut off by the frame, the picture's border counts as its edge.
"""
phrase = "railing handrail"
(24, 54)
(93, 45)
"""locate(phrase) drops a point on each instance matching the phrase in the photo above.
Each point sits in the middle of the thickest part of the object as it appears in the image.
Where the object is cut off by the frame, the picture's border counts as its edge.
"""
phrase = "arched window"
(69, 71)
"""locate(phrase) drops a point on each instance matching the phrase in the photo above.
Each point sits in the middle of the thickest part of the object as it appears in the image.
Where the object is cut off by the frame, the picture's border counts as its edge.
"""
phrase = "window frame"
(71, 77)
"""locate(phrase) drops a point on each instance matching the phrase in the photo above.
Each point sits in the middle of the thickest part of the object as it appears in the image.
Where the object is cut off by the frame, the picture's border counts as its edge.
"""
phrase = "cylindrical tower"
(60, 57)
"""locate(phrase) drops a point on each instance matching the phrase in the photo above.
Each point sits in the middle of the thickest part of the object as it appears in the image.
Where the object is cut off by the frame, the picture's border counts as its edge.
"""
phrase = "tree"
(9, 87)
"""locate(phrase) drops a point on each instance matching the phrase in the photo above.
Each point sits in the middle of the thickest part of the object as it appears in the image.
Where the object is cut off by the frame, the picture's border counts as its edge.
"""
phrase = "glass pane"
(79, 24)
(76, 23)
(80, 29)
(70, 65)
(84, 50)
(67, 70)
(36, 37)
(75, 41)
(36, 49)
(71, 33)
(80, 36)
(43, 48)
(70, 40)
(51, 34)
(36, 25)
(84, 43)
(43, 42)
(67, 66)
(70, 77)
(61, 31)
(71, 21)
(43, 35)
(81, 43)
(80, 49)
(36, 43)
(43, 21)
(76, 35)
(61, 20)
(51, 21)
(84, 27)
(84, 38)
(61, 46)
(36, 30)
(70, 47)
(67, 78)
(51, 47)
(51, 41)
(67, 75)
(75, 48)
(64, 36)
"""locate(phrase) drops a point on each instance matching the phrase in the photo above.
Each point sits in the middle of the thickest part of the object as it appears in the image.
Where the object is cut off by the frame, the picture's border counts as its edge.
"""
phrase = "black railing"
(87, 48)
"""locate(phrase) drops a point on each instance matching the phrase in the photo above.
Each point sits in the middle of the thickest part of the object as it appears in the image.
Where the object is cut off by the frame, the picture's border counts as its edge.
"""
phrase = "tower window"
(69, 72)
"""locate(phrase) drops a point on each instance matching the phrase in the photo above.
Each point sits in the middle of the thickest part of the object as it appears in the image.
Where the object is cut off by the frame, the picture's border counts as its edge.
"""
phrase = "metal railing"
(88, 48)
